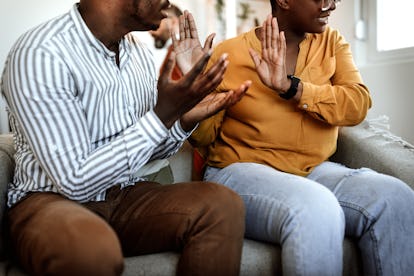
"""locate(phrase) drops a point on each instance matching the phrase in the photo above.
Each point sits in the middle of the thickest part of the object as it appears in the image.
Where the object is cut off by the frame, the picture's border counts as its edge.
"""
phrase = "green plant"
(245, 11)
(219, 9)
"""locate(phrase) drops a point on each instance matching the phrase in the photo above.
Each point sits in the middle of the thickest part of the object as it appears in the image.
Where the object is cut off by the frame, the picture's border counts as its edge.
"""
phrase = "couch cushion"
(257, 259)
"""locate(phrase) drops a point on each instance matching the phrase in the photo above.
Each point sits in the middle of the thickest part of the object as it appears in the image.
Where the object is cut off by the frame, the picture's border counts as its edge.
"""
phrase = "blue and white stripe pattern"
(81, 123)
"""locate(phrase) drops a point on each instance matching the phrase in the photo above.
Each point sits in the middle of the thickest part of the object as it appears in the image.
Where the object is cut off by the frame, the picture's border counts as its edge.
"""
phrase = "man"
(88, 114)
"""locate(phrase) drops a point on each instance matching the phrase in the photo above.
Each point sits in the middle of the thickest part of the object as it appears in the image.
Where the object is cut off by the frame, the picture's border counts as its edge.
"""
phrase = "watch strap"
(293, 89)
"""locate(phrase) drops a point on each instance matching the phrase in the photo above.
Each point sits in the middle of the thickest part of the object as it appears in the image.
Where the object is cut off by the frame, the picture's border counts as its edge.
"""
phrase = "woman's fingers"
(282, 44)
(255, 56)
(269, 31)
(273, 44)
(275, 33)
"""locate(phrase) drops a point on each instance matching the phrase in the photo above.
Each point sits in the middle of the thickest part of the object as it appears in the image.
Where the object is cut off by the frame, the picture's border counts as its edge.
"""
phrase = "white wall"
(17, 16)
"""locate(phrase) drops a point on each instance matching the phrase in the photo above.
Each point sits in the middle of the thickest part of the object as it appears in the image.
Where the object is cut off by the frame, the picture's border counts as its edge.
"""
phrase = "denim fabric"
(308, 216)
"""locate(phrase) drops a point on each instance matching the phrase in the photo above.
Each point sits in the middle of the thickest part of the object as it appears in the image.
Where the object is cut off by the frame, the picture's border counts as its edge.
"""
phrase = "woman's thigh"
(378, 213)
(365, 195)
(278, 203)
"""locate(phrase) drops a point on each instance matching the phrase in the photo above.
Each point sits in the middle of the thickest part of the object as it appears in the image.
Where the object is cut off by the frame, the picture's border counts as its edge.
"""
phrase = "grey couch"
(360, 146)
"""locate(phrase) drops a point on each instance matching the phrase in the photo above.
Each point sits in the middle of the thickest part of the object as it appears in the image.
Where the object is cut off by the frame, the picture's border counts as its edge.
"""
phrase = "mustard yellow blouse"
(290, 136)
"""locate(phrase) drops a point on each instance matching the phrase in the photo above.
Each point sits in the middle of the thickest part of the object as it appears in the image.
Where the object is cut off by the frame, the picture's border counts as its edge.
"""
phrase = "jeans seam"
(281, 204)
(371, 231)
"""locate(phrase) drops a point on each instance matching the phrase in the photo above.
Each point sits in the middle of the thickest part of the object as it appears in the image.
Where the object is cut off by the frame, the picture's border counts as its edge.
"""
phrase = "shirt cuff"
(154, 127)
(307, 99)
(179, 133)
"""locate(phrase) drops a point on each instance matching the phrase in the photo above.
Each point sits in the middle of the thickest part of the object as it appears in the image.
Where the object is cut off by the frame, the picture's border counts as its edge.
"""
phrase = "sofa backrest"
(368, 146)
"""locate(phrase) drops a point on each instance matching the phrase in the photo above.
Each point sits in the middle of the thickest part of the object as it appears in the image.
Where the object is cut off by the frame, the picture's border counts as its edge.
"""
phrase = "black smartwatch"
(293, 89)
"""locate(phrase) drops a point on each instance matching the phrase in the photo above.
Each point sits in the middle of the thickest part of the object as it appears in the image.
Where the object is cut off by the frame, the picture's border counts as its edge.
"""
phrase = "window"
(390, 33)
(393, 17)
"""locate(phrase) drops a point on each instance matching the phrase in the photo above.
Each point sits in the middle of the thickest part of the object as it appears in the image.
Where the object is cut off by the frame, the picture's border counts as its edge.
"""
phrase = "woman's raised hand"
(271, 65)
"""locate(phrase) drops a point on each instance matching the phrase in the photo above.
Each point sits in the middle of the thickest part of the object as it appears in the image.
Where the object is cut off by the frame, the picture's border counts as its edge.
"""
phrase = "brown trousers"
(52, 235)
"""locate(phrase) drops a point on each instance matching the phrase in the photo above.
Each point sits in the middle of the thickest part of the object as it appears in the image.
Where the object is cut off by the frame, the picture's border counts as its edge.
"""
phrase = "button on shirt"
(81, 123)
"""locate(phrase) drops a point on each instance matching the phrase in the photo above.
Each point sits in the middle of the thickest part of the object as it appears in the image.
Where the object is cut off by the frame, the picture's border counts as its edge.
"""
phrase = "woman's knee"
(221, 197)
(220, 202)
(377, 192)
(320, 208)
(390, 194)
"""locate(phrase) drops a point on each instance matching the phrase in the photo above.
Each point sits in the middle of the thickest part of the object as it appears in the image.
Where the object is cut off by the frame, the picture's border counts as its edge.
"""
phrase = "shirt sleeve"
(334, 91)
(175, 139)
(42, 96)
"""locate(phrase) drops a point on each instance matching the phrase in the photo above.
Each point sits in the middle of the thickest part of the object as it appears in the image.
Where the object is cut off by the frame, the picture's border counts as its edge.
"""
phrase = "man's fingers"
(197, 69)
(214, 75)
(181, 23)
(187, 24)
(166, 73)
(174, 39)
(239, 92)
(244, 87)
(208, 44)
(192, 26)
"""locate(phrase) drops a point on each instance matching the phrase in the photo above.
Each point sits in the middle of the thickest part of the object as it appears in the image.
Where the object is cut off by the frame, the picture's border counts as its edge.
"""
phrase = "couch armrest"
(6, 174)
(368, 146)
(6, 167)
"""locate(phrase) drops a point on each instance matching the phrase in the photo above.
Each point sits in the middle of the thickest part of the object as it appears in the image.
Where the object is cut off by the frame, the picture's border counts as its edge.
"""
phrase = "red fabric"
(198, 166)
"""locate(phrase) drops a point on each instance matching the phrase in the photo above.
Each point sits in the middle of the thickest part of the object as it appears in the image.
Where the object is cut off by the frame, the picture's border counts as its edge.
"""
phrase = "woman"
(273, 147)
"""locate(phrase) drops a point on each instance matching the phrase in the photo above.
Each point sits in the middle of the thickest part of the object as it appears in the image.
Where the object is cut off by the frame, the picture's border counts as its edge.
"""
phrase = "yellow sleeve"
(343, 101)
(207, 131)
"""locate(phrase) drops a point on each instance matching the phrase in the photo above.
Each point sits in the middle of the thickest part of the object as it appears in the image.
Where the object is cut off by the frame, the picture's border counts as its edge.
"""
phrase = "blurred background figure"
(159, 41)
(163, 34)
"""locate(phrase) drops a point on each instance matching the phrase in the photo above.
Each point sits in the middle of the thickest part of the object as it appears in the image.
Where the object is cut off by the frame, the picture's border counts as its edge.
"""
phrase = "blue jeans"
(309, 216)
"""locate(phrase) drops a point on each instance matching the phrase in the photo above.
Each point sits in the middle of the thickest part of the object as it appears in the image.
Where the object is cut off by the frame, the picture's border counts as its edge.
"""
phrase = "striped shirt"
(81, 123)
